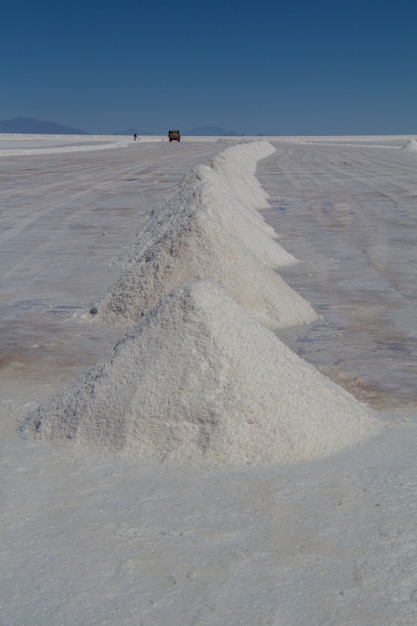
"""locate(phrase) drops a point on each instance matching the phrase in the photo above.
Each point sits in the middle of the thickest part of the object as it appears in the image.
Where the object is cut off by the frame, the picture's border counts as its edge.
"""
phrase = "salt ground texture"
(351, 269)
(198, 379)
(93, 539)
(190, 238)
(30, 145)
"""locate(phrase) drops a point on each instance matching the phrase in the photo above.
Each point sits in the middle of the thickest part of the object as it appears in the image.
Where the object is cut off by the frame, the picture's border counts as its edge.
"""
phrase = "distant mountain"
(37, 127)
(206, 131)
(30, 125)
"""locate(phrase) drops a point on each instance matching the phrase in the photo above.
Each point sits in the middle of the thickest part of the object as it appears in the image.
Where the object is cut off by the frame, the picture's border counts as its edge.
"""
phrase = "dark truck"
(174, 135)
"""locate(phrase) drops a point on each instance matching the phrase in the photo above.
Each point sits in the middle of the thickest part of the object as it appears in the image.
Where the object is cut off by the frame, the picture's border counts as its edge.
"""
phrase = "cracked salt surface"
(90, 539)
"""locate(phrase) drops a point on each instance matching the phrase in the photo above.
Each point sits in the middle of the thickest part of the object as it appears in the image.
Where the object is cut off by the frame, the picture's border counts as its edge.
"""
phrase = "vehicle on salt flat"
(174, 135)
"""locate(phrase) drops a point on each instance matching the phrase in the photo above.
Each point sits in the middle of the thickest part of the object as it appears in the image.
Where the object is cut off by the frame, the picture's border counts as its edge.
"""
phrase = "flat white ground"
(88, 539)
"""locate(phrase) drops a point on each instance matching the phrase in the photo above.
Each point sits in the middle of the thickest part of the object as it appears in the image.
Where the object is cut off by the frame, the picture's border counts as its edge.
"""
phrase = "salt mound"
(160, 218)
(202, 190)
(188, 193)
(238, 166)
(234, 214)
(239, 201)
(247, 154)
(196, 247)
(411, 145)
(198, 379)
(206, 231)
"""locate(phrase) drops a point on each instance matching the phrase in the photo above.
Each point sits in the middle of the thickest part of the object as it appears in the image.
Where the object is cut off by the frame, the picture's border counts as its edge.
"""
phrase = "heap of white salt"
(196, 247)
(198, 379)
(211, 191)
(204, 230)
(202, 189)
(411, 145)
(237, 165)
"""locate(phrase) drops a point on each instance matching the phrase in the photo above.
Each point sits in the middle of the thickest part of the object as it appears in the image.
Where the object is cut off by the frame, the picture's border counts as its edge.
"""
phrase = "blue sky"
(272, 67)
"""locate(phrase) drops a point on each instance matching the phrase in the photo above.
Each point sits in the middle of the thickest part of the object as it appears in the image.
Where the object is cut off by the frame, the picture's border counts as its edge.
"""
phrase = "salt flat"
(349, 212)
(96, 539)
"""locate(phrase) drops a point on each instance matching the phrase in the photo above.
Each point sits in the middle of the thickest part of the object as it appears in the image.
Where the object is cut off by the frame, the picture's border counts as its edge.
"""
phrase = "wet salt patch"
(199, 380)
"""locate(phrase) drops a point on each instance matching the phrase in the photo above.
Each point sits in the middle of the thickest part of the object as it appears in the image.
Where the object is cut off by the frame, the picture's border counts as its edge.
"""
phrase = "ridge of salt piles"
(199, 376)
(205, 230)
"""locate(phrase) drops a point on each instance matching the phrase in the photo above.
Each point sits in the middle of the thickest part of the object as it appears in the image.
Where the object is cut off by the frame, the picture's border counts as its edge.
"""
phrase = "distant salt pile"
(196, 247)
(237, 217)
(198, 379)
(204, 191)
(411, 145)
(237, 165)
(205, 177)
(161, 218)
(202, 231)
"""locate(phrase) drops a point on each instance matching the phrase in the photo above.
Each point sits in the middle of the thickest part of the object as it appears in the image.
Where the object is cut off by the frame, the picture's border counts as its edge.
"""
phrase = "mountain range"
(32, 125)
(209, 131)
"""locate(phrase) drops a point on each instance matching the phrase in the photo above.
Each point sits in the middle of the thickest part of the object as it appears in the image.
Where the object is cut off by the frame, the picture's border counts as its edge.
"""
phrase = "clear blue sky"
(266, 66)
